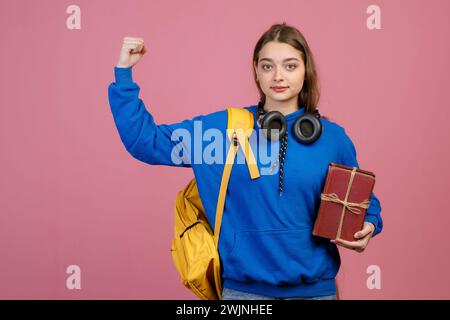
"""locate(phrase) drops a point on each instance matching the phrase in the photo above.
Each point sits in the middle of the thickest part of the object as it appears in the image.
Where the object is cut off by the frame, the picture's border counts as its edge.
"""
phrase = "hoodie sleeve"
(349, 158)
(163, 144)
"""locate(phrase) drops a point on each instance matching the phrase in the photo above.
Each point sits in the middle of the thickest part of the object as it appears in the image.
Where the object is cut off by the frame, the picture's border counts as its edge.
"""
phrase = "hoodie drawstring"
(282, 156)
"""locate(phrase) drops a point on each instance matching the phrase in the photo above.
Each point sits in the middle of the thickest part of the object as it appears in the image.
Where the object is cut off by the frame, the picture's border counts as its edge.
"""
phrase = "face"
(280, 64)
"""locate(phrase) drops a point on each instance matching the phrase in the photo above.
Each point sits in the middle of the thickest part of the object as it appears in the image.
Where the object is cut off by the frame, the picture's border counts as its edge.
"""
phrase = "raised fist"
(132, 51)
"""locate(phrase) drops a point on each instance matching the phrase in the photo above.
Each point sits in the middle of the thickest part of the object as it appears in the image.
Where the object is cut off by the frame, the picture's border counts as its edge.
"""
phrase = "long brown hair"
(310, 94)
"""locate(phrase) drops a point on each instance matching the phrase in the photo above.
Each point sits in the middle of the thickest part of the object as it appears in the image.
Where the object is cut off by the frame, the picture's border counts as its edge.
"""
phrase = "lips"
(279, 89)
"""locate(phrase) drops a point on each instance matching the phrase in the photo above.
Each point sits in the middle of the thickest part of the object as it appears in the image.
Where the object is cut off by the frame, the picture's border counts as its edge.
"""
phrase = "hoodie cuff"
(123, 75)
(374, 221)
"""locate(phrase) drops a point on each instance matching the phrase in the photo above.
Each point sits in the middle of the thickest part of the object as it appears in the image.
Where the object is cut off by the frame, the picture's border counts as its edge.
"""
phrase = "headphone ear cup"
(274, 120)
(307, 128)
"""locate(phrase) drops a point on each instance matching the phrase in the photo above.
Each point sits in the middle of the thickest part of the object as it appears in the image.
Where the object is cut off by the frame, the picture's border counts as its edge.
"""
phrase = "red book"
(344, 202)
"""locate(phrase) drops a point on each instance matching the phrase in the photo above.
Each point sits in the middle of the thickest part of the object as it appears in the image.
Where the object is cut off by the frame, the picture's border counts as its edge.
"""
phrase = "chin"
(281, 98)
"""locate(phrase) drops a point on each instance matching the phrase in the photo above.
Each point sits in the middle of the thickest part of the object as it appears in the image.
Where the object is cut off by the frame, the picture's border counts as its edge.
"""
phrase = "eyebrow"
(268, 59)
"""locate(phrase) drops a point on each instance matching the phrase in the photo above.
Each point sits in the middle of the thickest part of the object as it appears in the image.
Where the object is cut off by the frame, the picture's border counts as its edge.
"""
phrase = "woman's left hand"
(364, 237)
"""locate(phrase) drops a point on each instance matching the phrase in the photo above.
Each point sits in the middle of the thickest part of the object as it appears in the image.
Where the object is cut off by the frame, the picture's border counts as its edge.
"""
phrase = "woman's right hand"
(132, 51)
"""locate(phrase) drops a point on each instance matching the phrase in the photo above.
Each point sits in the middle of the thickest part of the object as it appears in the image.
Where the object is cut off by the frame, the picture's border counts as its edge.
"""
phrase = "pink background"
(71, 194)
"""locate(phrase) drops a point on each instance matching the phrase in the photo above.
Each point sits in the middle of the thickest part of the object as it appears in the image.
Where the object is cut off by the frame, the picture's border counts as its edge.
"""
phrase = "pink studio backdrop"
(72, 195)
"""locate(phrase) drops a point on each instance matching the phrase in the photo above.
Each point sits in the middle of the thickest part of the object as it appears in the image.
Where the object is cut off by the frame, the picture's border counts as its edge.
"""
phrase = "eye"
(265, 65)
(293, 65)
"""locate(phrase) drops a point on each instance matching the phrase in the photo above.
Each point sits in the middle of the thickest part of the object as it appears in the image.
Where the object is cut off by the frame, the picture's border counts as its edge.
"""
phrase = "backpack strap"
(239, 128)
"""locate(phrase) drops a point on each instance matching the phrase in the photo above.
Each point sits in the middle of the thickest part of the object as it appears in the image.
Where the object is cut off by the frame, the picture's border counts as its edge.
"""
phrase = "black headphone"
(306, 129)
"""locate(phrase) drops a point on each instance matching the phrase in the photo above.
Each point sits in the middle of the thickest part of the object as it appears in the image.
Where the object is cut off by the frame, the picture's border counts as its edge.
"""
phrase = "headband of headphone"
(307, 127)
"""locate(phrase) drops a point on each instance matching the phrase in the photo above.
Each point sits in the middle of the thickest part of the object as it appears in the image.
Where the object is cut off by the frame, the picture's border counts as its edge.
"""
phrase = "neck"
(285, 107)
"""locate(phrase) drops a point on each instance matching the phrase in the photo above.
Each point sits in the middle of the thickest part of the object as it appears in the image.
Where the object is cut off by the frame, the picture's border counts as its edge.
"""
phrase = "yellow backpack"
(195, 246)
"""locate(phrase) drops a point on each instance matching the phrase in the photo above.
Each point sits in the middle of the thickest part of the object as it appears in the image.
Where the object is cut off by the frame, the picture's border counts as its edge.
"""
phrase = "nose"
(278, 75)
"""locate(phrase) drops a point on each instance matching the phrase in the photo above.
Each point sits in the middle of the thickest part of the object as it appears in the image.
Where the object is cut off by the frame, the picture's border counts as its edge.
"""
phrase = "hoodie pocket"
(278, 257)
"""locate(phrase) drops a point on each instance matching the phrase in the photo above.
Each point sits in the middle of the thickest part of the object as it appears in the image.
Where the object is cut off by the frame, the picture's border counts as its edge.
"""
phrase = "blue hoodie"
(266, 243)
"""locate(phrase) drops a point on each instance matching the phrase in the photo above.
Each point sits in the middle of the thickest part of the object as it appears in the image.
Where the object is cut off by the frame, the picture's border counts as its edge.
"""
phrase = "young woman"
(266, 243)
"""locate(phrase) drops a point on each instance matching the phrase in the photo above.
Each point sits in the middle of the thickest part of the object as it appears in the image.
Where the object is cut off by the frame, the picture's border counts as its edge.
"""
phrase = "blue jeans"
(231, 294)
